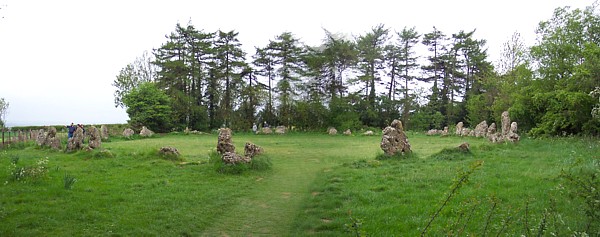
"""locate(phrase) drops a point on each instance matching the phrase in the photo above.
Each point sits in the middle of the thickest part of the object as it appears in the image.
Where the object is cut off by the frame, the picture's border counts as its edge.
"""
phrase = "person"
(71, 130)
(254, 128)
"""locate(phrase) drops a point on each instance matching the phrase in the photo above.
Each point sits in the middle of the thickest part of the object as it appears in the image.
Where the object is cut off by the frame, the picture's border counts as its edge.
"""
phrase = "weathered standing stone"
(225, 142)
(266, 130)
(21, 136)
(332, 131)
(481, 129)
(433, 132)
(41, 137)
(95, 137)
(464, 146)
(459, 128)
(369, 133)
(128, 132)
(104, 130)
(251, 149)
(394, 139)
(491, 129)
(512, 134)
(465, 132)
(145, 132)
(280, 130)
(54, 143)
(233, 158)
(75, 142)
(169, 151)
(347, 132)
(505, 123)
(445, 131)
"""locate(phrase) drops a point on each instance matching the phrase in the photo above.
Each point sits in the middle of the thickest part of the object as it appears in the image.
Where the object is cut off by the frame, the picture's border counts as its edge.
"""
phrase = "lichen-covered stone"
(233, 158)
(459, 129)
(128, 132)
(348, 132)
(280, 130)
(169, 151)
(75, 142)
(104, 131)
(369, 133)
(95, 137)
(481, 129)
(266, 130)
(145, 132)
(251, 149)
(394, 140)
(225, 141)
(464, 146)
(332, 131)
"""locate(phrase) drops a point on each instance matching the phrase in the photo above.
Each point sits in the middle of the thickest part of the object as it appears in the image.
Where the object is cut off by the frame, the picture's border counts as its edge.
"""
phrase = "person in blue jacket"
(71, 130)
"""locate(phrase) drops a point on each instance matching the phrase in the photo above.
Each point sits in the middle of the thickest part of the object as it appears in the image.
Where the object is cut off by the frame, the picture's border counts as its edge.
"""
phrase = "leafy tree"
(3, 111)
(131, 76)
(149, 106)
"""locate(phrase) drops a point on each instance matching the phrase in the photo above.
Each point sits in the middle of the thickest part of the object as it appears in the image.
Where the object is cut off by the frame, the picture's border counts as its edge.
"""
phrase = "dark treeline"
(204, 80)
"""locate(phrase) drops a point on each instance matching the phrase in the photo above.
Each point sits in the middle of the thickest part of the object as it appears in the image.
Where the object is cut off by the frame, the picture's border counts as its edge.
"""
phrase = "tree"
(229, 63)
(435, 41)
(407, 40)
(149, 106)
(264, 61)
(131, 76)
(3, 112)
(340, 54)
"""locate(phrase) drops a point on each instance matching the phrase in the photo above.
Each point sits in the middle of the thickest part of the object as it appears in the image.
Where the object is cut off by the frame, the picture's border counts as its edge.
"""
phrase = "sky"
(58, 58)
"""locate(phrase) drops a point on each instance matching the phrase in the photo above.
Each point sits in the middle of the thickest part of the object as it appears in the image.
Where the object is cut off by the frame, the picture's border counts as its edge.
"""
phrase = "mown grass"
(316, 183)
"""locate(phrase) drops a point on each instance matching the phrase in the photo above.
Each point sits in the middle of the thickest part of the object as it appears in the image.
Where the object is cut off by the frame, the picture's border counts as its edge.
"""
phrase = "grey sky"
(59, 58)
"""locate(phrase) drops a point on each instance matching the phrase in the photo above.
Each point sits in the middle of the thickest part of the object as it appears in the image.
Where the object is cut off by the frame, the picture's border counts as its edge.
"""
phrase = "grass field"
(319, 185)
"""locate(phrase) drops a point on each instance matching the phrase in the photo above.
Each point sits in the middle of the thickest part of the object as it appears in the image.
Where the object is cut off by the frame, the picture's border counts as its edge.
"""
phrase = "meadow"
(319, 185)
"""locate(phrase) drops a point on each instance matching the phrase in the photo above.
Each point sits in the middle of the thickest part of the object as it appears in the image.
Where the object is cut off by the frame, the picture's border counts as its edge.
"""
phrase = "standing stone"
(104, 130)
(347, 132)
(128, 132)
(266, 130)
(40, 138)
(145, 132)
(505, 124)
(251, 149)
(75, 142)
(280, 130)
(512, 134)
(95, 137)
(233, 158)
(21, 136)
(169, 151)
(465, 132)
(491, 130)
(481, 129)
(433, 132)
(459, 128)
(445, 131)
(394, 139)
(332, 131)
(225, 141)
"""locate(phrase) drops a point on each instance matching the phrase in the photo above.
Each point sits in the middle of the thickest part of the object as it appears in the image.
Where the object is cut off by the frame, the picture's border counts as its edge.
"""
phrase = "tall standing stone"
(95, 137)
(481, 129)
(505, 124)
(40, 137)
(225, 142)
(459, 128)
(104, 130)
(75, 142)
(394, 140)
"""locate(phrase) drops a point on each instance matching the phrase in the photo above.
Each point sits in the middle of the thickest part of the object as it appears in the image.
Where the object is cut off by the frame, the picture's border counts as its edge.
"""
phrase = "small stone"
(464, 147)
(128, 132)
(266, 130)
(280, 130)
(369, 133)
(145, 132)
(251, 149)
(169, 151)
(332, 131)
(347, 132)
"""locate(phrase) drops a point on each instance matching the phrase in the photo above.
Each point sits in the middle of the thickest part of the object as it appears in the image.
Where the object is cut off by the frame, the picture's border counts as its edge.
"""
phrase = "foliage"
(69, 181)
(31, 173)
(258, 163)
(148, 106)
(452, 154)
(131, 76)
(3, 111)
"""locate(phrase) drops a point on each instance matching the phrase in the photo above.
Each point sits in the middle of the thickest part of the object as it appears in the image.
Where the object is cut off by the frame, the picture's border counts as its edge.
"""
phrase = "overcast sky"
(58, 58)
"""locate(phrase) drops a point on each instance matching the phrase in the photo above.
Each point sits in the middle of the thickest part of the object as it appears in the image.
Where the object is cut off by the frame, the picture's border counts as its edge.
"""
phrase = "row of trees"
(206, 80)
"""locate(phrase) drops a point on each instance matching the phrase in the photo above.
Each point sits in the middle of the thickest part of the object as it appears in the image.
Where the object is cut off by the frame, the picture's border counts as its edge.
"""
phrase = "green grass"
(316, 183)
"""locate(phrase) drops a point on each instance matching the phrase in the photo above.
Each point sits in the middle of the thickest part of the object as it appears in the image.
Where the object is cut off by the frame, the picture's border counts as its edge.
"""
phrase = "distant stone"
(40, 137)
(394, 140)
(445, 131)
(481, 129)
(512, 133)
(251, 149)
(464, 147)
(75, 142)
(491, 129)
(459, 129)
(505, 124)
(169, 151)
(266, 130)
(280, 130)
(145, 132)
(347, 132)
(128, 132)
(332, 131)
(465, 132)
(369, 133)
(104, 130)
(225, 141)
(433, 132)
(95, 140)
(54, 143)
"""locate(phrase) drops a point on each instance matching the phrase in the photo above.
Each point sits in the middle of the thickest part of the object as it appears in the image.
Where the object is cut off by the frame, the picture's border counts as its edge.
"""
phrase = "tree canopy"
(378, 76)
